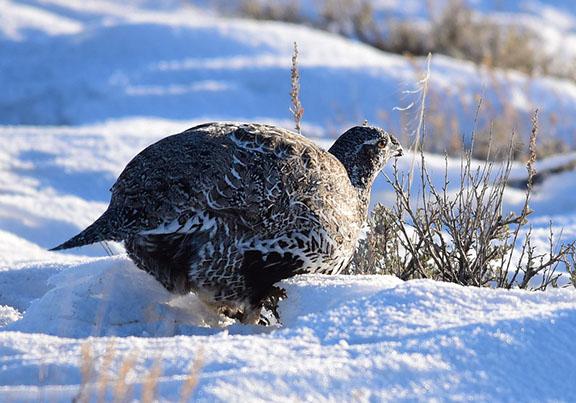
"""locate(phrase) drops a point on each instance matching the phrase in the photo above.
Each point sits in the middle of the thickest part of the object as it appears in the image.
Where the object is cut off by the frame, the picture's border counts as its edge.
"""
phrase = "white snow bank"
(135, 59)
(365, 338)
(20, 20)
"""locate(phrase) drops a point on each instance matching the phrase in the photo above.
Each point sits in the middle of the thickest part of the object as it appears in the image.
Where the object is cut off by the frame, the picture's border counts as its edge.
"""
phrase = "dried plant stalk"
(150, 385)
(86, 371)
(104, 377)
(296, 109)
(193, 377)
(121, 389)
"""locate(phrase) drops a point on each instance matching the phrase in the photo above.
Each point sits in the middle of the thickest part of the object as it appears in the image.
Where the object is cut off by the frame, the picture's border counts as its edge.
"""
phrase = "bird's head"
(364, 150)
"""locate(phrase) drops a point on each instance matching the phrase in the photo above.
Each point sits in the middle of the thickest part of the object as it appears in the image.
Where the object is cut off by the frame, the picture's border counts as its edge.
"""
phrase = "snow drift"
(369, 337)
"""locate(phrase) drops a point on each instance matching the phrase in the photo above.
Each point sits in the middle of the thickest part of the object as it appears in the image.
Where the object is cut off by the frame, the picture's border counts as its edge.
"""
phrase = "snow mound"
(365, 337)
(83, 301)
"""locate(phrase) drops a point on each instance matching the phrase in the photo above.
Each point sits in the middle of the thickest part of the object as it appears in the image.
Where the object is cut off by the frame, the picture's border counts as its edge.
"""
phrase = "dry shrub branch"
(460, 236)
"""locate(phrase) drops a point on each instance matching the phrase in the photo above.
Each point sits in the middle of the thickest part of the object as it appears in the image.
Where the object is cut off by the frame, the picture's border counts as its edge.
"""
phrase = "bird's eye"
(382, 143)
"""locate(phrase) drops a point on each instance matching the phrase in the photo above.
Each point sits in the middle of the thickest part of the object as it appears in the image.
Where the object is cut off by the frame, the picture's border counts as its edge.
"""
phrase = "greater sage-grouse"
(227, 210)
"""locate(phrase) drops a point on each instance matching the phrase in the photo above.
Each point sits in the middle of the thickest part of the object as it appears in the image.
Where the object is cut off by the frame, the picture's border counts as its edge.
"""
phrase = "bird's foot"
(269, 315)
(264, 314)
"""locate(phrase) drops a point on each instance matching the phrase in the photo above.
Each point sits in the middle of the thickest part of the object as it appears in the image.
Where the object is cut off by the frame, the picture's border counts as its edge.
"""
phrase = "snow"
(17, 17)
(88, 84)
(174, 65)
(370, 337)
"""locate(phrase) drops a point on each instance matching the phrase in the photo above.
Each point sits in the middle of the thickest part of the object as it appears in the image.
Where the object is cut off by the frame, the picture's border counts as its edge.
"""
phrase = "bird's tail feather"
(103, 229)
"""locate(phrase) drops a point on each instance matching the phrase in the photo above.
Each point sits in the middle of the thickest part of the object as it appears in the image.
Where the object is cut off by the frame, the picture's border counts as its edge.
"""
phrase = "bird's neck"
(360, 173)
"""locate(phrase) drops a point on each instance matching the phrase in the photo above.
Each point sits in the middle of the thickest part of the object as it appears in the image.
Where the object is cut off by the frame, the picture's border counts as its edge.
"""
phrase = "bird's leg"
(270, 304)
(232, 313)
(249, 315)
(256, 314)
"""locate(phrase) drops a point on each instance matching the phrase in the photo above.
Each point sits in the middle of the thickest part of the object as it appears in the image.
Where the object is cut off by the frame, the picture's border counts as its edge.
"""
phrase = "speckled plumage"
(227, 210)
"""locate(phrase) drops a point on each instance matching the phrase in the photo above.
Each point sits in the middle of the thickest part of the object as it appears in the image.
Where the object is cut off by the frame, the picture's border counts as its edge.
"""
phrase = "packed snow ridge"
(111, 79)
(365, 337)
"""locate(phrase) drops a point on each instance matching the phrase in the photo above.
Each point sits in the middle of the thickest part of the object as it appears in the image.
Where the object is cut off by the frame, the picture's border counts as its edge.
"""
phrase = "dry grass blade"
(86, 371)
(121, 389)
(107, 248)
(191, 381)
(418, 138)
(104, 377)
(150, 385)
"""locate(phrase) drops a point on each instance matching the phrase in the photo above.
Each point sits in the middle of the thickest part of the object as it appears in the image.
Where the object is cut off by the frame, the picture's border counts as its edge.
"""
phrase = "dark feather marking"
(262, 271)
(167, 257)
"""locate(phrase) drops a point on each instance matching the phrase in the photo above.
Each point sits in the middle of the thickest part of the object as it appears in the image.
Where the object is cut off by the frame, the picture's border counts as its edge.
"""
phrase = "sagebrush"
(460, 236)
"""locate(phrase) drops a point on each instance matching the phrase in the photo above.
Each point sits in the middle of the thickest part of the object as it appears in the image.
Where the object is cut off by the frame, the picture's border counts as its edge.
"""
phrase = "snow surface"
(366, 338)
(552, 21)
(88, 83)
(130, 61)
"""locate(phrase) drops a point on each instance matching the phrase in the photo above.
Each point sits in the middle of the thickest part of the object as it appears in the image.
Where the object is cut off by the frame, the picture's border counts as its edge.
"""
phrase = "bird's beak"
(399, 152)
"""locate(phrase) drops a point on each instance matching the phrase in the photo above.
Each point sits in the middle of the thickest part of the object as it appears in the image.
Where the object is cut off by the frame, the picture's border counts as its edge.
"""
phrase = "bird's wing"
(168, 257)
(240, 174)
